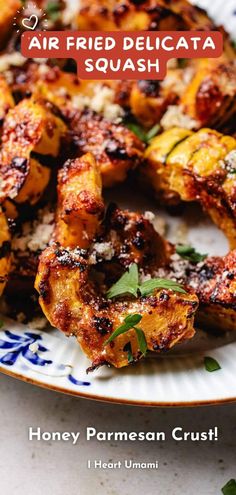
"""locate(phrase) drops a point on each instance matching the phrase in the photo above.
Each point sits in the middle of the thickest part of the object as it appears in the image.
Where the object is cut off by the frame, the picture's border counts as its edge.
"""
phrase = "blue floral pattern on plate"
(19, 345)
(16, 346)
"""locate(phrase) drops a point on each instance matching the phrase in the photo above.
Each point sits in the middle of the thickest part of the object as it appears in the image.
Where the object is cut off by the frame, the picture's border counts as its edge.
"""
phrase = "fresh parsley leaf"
(119, 331)
(189, 253)
(229, 488)
(211, 364)
(133, 319)
(142, 343)
(143, 135)
(127, 284)
(129, 322)
(149, 286)
(128, 349)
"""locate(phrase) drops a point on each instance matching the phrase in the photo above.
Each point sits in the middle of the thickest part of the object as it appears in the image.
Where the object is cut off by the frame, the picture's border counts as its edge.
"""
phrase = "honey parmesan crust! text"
(177, 434)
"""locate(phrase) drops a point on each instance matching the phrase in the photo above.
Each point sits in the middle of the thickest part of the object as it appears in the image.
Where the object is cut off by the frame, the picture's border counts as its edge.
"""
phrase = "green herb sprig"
(129, 284)
(140, 132)
(130, 322)
(53, 10)
(189, 253)
(229, 488)
(211, 364)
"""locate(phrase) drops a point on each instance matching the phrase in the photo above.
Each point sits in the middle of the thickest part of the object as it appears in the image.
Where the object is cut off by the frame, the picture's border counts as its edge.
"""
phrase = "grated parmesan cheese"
(10, 59)
(101, 101)
(35, 235)
(175, 117)
(43, 69)
(102, 250)
(70, 12)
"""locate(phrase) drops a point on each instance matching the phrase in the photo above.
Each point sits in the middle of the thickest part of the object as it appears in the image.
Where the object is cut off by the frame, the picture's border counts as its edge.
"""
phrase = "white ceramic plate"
(49, 359)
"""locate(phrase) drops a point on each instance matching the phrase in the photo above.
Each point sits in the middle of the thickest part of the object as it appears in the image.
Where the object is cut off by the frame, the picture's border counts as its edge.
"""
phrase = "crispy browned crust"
(115, 148)
(213, 281)
(210, 98)
(134, 240)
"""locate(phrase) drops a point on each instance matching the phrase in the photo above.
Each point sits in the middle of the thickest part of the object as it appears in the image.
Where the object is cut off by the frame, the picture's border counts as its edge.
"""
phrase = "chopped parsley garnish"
(211, 364)
(229, 488)
(129, 284)
(53, 10)
(189, 253)
(129, 323)
(143, 135)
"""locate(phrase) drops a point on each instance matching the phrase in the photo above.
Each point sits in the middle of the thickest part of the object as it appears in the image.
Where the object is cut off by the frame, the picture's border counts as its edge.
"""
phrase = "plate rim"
(113, 400)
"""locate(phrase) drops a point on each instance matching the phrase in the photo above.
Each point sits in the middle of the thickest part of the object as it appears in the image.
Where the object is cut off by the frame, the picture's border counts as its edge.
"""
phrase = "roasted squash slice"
(28, 128)
(197, 167)
(116, 149)
(80, 206)
(71, 302)
(210, 97)
(214, 281)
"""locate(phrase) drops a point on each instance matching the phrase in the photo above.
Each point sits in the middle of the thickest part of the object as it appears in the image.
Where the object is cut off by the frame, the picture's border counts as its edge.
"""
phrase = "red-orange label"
(122, 54)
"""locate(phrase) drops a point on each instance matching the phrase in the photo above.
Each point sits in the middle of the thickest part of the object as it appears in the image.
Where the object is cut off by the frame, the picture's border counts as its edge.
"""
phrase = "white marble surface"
(60, 469)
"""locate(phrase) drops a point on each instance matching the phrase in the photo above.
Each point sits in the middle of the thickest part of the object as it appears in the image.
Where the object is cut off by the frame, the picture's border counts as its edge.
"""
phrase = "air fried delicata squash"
(64, 141)
(73, 282)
